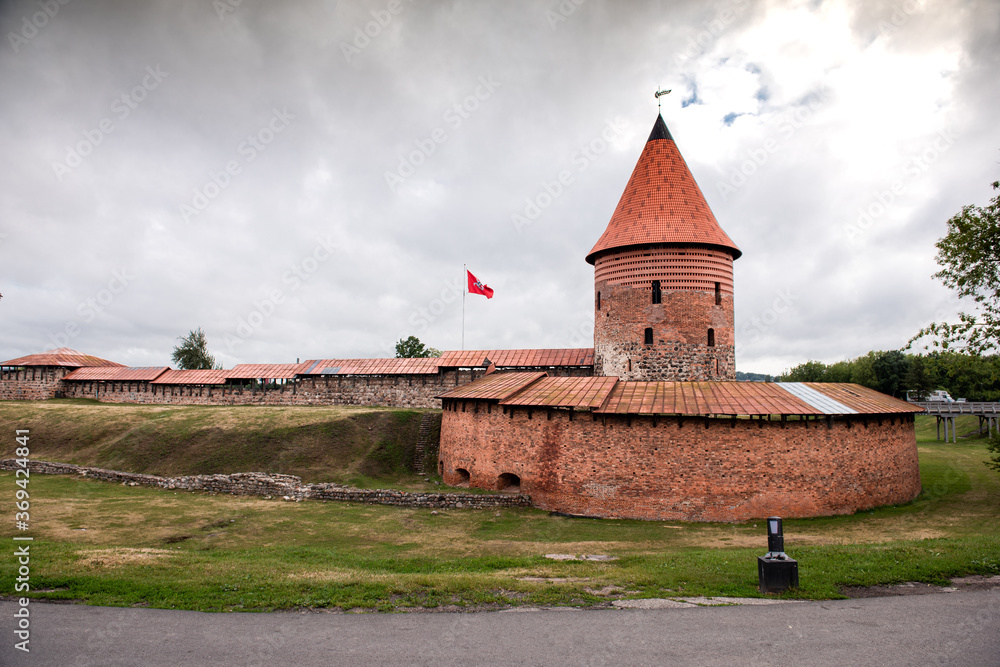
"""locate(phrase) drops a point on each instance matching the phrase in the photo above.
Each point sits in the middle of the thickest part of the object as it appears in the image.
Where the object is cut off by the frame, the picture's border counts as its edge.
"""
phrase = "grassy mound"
(345, 444)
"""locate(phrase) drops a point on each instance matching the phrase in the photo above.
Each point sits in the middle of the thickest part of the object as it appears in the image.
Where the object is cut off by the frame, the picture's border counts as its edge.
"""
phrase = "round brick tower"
(663, 277)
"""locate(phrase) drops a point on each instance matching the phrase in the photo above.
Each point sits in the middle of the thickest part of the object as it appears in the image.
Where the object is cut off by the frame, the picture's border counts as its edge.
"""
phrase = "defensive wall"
(410, 391)
(34, 383)
(413, 383)
(668, 451)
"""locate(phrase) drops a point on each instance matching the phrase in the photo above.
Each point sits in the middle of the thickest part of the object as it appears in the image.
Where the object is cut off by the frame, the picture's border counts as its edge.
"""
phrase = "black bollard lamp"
(776, 572)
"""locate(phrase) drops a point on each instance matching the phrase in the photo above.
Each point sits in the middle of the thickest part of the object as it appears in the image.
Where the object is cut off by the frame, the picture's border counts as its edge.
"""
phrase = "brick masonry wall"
(680, 324)
(677, 469)
(32, 384)
(693, 279)
(413, 391)
(288, 487)
(405, 391)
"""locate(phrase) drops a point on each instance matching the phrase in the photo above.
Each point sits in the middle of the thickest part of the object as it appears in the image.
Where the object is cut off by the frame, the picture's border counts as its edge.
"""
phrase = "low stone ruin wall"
(288, 487)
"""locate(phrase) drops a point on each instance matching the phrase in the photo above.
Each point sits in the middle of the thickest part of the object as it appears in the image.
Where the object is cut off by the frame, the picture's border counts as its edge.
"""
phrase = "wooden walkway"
(988, 413)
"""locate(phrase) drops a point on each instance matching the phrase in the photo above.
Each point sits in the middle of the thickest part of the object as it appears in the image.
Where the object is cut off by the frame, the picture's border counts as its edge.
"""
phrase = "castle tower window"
(711, 337)
(657, 296)
(508, 482)
(649, 335)
(598, 301)
(718, 294)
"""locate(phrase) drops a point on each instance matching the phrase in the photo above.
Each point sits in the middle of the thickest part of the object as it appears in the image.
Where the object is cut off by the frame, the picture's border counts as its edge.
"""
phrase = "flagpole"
(465, 288)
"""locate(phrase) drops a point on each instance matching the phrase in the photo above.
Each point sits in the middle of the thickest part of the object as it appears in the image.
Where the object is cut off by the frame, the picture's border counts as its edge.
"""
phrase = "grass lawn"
(113, 545)
(331, 443)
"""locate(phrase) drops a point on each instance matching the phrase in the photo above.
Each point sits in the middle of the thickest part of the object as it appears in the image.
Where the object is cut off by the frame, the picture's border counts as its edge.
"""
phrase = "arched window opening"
(509, 482)
(649, 335)
(718, 294)
(463, 476)
(598, 301)
(711, 337)
(657, 296)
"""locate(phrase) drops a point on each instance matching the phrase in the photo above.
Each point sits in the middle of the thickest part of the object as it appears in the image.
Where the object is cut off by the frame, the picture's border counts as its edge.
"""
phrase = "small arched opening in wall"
(711, 337)
(648, 337)
(463, 476)
(508, 481)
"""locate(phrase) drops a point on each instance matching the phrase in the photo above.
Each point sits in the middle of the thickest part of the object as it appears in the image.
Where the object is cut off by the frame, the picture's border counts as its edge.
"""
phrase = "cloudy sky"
(306, 179)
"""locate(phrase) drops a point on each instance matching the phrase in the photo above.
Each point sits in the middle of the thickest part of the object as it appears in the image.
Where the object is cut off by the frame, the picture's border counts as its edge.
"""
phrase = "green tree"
(811, 371)
(192, 353)
(863, 371)
(838, 372)
(918, 382)
(969, 257)
(974, 377)
(890, 372)
(994, 447)
(412, 348)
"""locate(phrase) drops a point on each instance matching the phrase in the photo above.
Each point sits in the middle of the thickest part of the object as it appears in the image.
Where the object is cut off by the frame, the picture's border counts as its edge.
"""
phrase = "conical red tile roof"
(662, 203)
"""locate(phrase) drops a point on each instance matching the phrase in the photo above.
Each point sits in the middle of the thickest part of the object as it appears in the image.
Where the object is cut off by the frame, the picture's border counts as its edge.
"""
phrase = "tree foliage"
(994, 448)
(895, 373)
(753, 377)
(969, 257)
(810, 371)
(192, 353)
(412, 348)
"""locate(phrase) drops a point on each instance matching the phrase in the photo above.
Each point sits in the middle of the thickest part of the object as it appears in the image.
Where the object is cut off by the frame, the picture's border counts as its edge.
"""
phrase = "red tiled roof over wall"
(117, 373)
(497, 387)
(565, 392)
(264, 371)
(583, 356)
(192, 376)
(662, 203)
(609, 395)
(63, 357)
(386, 366)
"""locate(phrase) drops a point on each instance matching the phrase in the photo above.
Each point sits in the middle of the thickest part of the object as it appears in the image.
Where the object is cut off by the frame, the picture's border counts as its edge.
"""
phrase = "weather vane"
(659, 94)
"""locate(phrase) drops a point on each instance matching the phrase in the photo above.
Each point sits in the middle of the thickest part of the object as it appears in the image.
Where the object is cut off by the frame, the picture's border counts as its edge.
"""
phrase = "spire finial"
(660, 93)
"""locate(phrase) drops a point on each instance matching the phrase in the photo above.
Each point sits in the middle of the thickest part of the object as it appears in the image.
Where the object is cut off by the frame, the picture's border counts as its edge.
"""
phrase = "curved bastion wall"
(681, 468)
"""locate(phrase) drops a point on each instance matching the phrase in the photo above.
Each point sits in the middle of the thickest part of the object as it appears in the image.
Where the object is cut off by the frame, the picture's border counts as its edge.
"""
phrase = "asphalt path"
(938, 629)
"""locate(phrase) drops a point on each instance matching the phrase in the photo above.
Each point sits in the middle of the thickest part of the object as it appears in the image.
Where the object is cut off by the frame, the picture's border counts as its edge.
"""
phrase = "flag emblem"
(477, 286)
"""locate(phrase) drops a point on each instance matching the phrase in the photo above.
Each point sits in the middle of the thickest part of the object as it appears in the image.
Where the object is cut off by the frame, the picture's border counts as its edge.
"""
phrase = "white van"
(940, 396)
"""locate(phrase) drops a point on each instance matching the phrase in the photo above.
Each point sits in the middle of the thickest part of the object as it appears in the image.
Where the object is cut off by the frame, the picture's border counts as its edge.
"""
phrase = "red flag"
(477, 287)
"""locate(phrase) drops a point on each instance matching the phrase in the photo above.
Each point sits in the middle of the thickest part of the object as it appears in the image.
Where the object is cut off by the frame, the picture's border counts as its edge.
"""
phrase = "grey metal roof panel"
(822, 402)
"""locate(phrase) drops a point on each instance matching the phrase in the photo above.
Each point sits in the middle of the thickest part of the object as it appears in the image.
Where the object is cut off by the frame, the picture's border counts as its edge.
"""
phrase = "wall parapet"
(289, 487)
